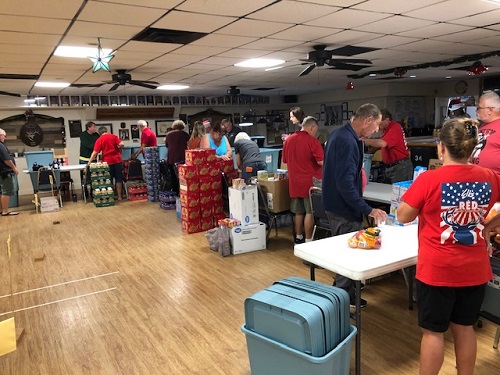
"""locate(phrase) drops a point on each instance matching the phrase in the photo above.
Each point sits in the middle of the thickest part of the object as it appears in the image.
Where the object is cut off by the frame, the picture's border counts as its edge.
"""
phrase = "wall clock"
(461, 87)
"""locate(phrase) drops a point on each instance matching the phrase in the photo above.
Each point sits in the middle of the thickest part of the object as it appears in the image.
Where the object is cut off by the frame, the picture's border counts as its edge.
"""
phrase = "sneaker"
(362, 304)
(299, 241)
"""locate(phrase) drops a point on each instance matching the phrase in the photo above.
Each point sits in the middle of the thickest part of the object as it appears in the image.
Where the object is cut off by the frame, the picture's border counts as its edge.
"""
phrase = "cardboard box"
(435, 164)
(244, 205)
(398, 190)
(277, 195)
(248, 238)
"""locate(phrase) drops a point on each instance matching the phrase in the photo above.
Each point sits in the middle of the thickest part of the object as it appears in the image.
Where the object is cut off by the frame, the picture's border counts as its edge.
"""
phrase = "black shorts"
(440, 305)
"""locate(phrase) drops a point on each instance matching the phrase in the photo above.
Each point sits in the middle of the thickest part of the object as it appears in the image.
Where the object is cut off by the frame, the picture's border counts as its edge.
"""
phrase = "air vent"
(264, 88)
(19, 76)
(154, 35)
(352, 50)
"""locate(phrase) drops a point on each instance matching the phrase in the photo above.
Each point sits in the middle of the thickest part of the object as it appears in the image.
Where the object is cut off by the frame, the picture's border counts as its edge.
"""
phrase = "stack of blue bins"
(152, 173)
(298, 326)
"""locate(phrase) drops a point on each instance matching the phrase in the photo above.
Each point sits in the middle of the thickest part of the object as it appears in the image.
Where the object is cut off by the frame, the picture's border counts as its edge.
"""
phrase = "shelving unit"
(100, 179)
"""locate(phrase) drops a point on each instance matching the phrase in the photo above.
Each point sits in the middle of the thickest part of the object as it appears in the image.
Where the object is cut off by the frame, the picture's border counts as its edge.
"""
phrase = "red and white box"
(187, 172)
(189, 199)
(190, 213)
(194, 157)
(189, 186)
(193, 226)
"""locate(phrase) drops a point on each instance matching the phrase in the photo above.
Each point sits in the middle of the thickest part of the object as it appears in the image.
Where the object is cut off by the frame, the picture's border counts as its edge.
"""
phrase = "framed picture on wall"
(162, 126)
(124, 134)
(134, 130)
(75, 128)
(108, 126)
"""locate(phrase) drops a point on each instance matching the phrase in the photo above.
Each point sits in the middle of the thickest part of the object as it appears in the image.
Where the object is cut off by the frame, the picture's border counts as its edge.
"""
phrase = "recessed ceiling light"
(172, 87)
(260, 63)
(372, 75)
(79, 52)
(413, 76)
(51, 84)
(448, 77)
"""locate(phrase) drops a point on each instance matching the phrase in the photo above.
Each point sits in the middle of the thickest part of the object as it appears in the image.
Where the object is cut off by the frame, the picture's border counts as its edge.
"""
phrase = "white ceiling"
(406, 32)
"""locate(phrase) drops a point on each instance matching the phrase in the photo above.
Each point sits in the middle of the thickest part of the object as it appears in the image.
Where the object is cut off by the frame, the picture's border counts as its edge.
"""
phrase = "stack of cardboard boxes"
(200, 183)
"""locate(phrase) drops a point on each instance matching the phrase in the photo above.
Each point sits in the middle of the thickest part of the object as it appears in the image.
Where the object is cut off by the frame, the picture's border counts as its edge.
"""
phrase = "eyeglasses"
(478, 108)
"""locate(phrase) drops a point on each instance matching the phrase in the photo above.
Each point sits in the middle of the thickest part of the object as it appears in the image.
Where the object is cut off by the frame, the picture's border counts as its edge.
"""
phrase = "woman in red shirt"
(453, 265)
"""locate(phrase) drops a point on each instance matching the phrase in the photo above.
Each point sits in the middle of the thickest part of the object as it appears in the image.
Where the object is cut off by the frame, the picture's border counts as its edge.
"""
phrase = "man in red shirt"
(148, 138)
(110, 147)
(395, 154)
(303, 155)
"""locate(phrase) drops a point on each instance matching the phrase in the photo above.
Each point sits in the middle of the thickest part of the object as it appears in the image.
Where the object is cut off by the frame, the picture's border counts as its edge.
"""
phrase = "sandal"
(10, 213)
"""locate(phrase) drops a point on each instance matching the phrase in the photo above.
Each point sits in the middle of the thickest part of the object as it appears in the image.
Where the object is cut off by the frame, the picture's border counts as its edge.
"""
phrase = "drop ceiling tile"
(350, 37)
(259, 29)
(393, 6)
(29, 38)
(44, 9)
(218, 40)
(303, 33)
(226, 8)
(338, 3)
(436, 30)
(200, 50)
(195, 22)
(467, 36)
(103, 31)
(178, 58)
(160, 4)
(448, 10)
(217, 60)
(387, 41)
(119, 14)
(242, 53)
(395, 25)
(37, 25)
(490, 42)
(427, 45)
(268, 44)
(292, 12)
(26, 48)
(347, 19)
(480, 20)
(140, 47)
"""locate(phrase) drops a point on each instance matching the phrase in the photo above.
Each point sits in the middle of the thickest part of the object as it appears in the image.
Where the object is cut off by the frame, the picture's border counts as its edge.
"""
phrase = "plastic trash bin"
(44, 158)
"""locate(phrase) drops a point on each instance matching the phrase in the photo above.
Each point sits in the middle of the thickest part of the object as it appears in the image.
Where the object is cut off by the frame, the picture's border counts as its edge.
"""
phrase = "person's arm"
(205, 142)
(238, 162)
(121, 145)
(229, 152)
(493, 225)
(139, 151)
(92, 157)
(406, 213)
(11, 164)
(375, 142)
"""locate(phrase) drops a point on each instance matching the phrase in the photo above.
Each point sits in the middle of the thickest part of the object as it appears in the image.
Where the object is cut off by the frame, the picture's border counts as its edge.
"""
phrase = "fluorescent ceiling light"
(274, 68)
(243, 124)
(260, 63)
(413, 76)
(51, 84)
(29, 100)
(79, 52)
(172, 87)
(447, 77)
(372, 75)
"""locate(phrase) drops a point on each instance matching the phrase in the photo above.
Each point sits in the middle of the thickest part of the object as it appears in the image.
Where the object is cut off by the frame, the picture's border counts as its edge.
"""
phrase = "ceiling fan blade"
(143, 81)
(354, 61)
(342, 66)
(78, 85)
(142, 84)
(307, 70)
(114, 87)
(9, 94)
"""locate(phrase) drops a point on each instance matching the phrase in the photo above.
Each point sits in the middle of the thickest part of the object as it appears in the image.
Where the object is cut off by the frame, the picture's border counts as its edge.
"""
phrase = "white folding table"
(399, 250)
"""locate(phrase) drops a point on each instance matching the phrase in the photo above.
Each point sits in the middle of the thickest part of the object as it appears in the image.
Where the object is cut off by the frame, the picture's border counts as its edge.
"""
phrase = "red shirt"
(487, 151)
(396, 148)
(301, 153)
(108, 144)
(453, 202)
(148, 138)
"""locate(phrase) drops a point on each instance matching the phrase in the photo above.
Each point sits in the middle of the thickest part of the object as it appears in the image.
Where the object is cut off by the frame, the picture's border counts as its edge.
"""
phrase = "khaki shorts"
(300, 206)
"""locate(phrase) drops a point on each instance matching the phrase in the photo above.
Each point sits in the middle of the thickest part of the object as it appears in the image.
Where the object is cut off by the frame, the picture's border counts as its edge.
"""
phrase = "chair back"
(318, 209)
(48, 179)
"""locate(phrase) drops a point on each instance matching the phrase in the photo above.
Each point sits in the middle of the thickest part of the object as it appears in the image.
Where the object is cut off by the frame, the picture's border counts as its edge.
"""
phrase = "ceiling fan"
(233, 91)
(120, 79)
(321, 56)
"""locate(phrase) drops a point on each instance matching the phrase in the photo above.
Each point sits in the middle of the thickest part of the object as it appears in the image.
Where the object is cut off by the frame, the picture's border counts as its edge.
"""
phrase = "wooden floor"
(122, 290)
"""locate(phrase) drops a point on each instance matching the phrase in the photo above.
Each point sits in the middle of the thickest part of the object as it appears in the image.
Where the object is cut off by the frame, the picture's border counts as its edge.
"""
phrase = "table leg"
(311, 271)
(357, 318)
(411, 276)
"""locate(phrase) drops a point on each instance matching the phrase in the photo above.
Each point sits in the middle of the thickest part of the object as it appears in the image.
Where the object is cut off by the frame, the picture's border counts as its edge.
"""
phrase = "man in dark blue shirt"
(342, 181)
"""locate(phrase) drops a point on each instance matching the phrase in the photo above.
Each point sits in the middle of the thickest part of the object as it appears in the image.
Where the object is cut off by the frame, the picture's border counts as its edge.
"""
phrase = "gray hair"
(2, 132)
(367, 110)
(241, 135)
(309, 121)
(492, 99)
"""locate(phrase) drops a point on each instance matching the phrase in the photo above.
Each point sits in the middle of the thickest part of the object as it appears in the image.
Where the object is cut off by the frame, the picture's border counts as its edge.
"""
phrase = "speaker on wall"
(290, 99)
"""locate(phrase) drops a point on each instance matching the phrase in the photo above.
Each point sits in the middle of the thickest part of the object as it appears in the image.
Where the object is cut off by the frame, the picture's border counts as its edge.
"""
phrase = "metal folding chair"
(319, 214)
(48, 180)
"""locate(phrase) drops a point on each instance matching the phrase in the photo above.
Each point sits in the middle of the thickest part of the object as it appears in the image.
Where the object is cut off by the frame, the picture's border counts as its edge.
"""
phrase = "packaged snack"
(366, 239)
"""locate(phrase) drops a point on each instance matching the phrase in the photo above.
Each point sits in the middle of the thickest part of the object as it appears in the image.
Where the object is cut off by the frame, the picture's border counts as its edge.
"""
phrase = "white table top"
(378, 192)
(399, 250)
(66, 168)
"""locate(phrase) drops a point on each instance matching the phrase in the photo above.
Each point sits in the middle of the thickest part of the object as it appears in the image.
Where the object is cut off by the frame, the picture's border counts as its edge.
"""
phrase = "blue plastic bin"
(271, 157)
(44, 158)
(271, 357)
(163, 150)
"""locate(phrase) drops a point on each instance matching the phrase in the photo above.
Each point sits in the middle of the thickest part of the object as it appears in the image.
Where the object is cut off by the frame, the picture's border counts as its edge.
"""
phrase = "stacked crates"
(200, 182)
(102, 186)
(137, 191)
(167, 200)
(152, 173)
(298, 326)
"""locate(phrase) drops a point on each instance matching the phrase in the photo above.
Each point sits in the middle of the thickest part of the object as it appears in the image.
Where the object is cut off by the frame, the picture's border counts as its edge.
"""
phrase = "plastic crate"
(44, 158)
(271, 357)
